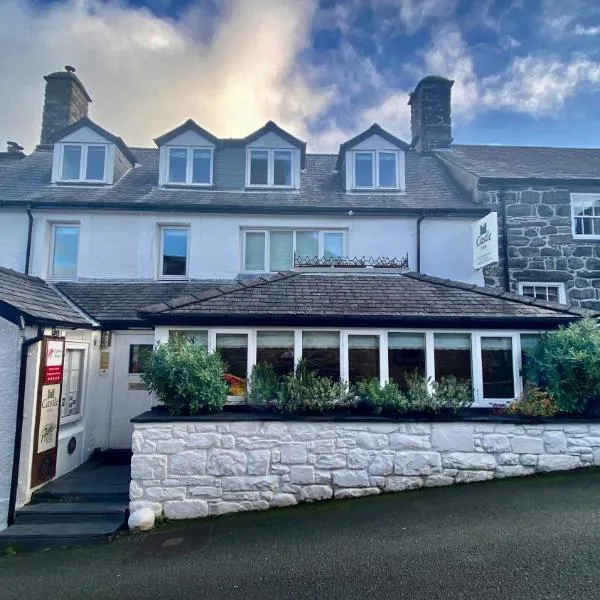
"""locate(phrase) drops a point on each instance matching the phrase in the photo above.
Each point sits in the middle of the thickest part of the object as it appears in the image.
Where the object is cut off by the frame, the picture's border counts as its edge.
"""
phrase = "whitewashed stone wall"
(190, 470)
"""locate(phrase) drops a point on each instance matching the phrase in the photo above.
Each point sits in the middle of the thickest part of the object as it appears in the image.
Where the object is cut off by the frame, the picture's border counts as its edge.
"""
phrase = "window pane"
(497, 363)
(70, 402)
(259, 167)
(174, 251)
(321, 351)
(282, 167)
(71, 162)
(255, 251)
(277, 349)
(201, 166)
(233, 348)
(196, 337)
(406, 355)
(528, 343)
(95, 163)
(177, 165)
(452, 355)
(307, 243)
(281, 251)
(135, 353)
(333, 245)
(66, 246)
(387, 169)
(363, 169)
(363, 357)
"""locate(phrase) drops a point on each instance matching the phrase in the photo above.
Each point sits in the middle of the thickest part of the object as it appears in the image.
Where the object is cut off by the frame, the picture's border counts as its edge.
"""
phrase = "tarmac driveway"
(531, 538)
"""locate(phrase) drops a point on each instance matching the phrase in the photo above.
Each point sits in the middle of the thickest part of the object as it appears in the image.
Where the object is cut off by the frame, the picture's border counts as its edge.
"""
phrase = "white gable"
(270, 140)
(190, 138)
(374, 142)
(84, 135)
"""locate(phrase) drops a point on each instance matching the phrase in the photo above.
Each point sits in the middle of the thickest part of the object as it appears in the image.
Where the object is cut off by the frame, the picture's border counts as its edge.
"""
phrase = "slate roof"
(526, 162)
(37, 301)
(408, 299)
(114, 303)
(428, 188)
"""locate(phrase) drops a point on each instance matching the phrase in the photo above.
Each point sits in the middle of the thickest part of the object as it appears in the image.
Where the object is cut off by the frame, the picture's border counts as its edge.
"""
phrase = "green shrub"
(381, 400)
(419, 396)
(306, 392)
(452, 393)
(185, 377)
(534, 402)
(264, 385)
(566, 363)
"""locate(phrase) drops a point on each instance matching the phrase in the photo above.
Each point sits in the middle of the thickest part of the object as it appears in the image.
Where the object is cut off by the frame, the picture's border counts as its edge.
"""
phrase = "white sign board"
(49, 408)
(484, 234)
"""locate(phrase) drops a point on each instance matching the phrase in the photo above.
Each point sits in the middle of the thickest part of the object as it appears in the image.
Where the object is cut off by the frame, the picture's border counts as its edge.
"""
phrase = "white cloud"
(586, 31)
(148, 74)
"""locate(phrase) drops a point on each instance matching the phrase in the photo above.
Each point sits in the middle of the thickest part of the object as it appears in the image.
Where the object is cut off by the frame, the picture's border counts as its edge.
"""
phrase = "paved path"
(514, 539)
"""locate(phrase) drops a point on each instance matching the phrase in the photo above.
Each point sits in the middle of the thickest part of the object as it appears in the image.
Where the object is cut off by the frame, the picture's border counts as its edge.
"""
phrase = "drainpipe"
(29, 232)
(502, 199)
(419, 243)
(12, 500)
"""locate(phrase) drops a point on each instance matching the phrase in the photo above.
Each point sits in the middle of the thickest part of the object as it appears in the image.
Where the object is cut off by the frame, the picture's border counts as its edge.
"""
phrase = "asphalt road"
(513, 539)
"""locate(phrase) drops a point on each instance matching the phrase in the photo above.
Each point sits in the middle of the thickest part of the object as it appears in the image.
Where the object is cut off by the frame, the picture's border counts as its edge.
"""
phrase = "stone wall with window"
(552, 242)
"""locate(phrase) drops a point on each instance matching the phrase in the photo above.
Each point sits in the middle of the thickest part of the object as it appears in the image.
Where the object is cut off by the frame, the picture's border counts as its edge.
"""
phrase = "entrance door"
(129, 397)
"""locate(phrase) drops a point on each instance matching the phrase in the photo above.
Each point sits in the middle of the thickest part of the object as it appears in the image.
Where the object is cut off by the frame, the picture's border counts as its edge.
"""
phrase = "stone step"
(104, 495)
(71, 512)
(39, 536)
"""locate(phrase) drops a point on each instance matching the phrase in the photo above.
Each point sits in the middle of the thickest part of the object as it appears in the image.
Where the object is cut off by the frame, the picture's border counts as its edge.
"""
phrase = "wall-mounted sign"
(48, 410)
(104, 362)
(485, 241)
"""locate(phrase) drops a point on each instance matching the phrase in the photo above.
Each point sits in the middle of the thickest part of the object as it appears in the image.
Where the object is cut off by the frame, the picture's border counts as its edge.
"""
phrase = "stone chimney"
(14, 151)
(430, 114)
(65, 102)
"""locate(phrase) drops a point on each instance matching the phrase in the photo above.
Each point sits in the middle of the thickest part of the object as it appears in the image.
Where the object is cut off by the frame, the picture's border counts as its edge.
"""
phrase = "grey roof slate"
(428, 188)
(526, 162)
(402, 297)
(115, 301)
(37, 301)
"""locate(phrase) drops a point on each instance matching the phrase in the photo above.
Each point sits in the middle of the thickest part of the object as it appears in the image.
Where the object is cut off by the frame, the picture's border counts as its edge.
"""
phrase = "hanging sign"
(484, 234)
(48, 410)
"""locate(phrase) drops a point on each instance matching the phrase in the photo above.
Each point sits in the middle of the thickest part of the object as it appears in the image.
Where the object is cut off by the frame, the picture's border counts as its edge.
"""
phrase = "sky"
(526, 72)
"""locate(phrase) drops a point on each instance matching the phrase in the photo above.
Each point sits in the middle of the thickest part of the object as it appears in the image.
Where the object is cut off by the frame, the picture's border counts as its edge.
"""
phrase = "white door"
(130, 397)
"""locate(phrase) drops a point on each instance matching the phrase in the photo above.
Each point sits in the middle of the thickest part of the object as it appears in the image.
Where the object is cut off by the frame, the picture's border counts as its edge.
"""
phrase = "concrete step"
(107, 494)
(39, 536)
(71, 512)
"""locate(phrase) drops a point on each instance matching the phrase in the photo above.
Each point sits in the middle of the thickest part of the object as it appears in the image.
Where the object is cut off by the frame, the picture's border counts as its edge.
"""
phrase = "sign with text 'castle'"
(485, 241)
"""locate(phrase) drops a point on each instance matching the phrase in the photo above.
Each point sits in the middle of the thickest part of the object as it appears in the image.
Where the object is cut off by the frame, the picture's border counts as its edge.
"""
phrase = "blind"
(274, 339)
(496, 343)
(320, 339)
(363, 342)
(255, 251)
(281, 250)
(452, 341)
(232, 340)
(307, 243)
(199, 337)
(529, 340)
(406, 341)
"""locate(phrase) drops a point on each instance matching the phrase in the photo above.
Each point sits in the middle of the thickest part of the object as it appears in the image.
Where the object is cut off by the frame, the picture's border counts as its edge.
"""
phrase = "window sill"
(188, 186)
(274, 188)
(376, 190)
(173, 278)
(81, 182)
(70, 420)
(592, 239)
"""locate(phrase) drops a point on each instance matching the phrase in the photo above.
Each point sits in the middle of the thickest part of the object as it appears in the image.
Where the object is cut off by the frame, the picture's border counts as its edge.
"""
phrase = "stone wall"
(541, 247)
(196, 469)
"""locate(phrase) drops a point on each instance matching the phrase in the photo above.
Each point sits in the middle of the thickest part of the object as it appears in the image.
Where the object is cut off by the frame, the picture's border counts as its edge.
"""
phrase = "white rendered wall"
(13, 239)
(188, 470)
(10, 355)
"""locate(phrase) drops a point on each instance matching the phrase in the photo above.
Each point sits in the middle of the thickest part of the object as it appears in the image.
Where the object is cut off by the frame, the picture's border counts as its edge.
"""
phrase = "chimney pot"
(69, 68)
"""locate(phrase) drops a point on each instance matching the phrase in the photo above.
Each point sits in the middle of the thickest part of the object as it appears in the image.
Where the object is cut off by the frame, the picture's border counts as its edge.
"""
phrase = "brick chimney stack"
(65, 102)
(430, 114)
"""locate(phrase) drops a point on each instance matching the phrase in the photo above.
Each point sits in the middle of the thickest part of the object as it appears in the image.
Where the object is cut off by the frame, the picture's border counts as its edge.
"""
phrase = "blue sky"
(526, 71)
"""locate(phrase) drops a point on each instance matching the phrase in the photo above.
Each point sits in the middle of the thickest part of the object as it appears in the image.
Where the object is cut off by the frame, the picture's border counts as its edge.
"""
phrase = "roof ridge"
(72, 304)
(22, 275)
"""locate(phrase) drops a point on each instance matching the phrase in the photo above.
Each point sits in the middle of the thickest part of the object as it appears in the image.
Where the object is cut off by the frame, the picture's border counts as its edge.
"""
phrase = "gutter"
(506, 270)
(14, 482)
(419, 242)
(29, 233)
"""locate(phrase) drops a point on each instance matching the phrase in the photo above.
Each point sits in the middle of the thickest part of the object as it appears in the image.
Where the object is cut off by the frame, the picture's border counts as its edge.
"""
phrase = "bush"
(566, 363)
(534, 402)
(419, 395)
(264, 384)
(185, 377)
(452, 393)
(381, 400)
(306, 392)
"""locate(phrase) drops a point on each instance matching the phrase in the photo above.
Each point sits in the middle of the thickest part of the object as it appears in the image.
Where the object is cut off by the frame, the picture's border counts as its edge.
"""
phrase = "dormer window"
(83, 162)
(270, 168)
(375, 169)
(190, 166)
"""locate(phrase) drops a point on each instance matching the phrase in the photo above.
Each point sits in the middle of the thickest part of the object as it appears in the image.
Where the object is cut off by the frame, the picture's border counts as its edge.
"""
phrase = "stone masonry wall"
(541, 247)
(190, 470)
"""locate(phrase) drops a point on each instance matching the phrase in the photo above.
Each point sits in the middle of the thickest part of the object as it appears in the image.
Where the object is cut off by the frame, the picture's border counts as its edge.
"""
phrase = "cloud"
(148, 74)
(414, 14)
(586, 31)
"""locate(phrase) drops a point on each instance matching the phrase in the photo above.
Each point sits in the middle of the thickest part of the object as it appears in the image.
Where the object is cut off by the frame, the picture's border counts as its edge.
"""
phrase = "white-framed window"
(376, 169)
(72, 386)
(492, 360)
(269, 168)
(585, 212)
(64, 250)
(174, 251)
(190, 166)
(274, 250)
(552, 292)
(83, 162)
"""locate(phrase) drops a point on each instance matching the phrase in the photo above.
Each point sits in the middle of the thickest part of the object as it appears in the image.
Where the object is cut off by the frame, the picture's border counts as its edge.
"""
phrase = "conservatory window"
(497, 367)
(406, 355)
(452, 353)
(277, 349)
(321, 352)
(363, 357)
